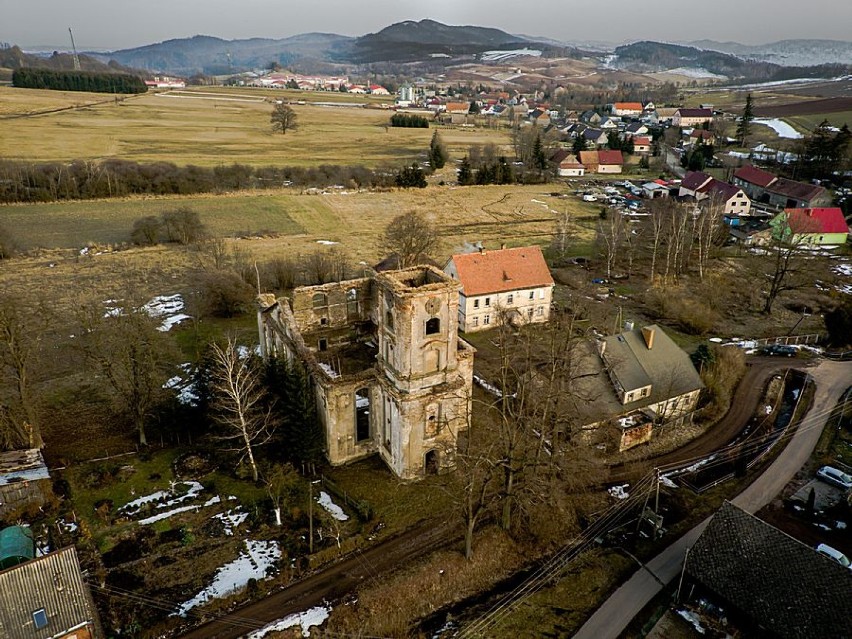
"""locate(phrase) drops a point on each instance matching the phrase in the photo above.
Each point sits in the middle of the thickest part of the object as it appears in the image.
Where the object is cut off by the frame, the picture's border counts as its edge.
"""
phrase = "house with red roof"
(378, 89)
(602, 161)
(700, 186)
(641, 144)
(790, 194)
(753, 180)
(511, 285)
(817, 226)
(627, 108)
(570, 167)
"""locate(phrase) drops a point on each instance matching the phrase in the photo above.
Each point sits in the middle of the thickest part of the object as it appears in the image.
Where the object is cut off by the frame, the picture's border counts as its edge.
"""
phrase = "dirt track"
(743, 407)
(328, 585)
(340, 579)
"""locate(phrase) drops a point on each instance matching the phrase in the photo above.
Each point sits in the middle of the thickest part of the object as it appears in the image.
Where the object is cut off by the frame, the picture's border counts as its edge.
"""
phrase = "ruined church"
(390, 373)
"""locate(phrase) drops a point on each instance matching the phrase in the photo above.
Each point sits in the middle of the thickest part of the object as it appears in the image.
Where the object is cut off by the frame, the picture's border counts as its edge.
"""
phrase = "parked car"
(836, 555)
(779, 350)
(836, 477)
(589, 198)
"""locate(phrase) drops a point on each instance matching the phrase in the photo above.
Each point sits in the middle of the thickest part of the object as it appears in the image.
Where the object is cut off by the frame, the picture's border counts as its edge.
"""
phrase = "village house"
(630, 109)
(44, 597)
(540, 117)
(594, 137)
(607, 124)
(512, 285)
(635, 380)
(817, 227)
(663, 115)
(378, 89)
(701, 187)
(635, 128)
(24, 481)
(390, 373)
(753, 181)
(691, 117)
(641, 144)
(755, 572)
(602, 161)
(570, 167)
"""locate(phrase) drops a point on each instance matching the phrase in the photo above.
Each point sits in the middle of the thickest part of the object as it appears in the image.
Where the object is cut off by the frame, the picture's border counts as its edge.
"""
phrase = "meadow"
(209, 126)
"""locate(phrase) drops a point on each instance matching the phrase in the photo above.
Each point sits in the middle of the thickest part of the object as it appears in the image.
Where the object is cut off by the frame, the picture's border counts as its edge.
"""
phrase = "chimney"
(482, 250)
(648, 334)
(628, 325)
(502, 246)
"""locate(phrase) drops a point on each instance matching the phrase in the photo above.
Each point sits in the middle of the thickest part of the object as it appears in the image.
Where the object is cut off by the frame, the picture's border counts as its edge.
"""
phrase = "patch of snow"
(783, 129)
(693, 619)
(171, 496)
(497, 56)
(232, 519)
(333, 509)
(172, 320)
(328, 370)
(215, 499)
(258, 558)
(327, 242)
(840, 525)
(244, 352)
(167, 514)
(487, 387)
(716, 340)
(164, 305)
(313, 617)
(668, 483)
(619, 492)
(698, 73)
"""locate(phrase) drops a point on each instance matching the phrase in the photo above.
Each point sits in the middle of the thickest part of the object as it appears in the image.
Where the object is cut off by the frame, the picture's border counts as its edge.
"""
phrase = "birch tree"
(239, 402)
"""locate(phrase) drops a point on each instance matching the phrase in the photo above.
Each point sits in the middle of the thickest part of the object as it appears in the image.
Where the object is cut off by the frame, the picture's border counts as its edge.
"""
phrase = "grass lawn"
(807, 123)
(217, 125)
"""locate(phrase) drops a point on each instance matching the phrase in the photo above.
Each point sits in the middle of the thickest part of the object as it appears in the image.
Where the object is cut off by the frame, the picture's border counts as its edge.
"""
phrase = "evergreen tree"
(464, 173)
(409, 176)
(438, 154)
(579, 144)
(539, 161)
(744, 126)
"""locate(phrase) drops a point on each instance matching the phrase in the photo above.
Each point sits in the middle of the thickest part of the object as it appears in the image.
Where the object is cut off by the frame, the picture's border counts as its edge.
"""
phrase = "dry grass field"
(22, 102)
(290, 220)
(212, 126)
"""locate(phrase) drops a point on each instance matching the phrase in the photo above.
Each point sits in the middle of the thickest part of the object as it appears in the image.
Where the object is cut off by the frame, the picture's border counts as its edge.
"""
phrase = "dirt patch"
(829, 105)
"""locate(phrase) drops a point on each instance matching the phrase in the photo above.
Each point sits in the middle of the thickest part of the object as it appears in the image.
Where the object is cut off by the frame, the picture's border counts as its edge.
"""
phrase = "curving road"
(609, 621)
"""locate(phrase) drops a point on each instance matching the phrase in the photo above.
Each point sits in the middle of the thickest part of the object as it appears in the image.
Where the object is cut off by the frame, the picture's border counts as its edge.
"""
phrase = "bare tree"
(475, 481)
(239, 401)
(8, 247)
(409, 236)
(283, 117)
(134, 357)
(709, 231)
(281, 483)
(611, 232)
(19, 341)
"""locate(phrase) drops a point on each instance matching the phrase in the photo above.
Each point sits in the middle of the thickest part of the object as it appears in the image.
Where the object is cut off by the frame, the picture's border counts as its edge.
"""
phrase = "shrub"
(146, 231)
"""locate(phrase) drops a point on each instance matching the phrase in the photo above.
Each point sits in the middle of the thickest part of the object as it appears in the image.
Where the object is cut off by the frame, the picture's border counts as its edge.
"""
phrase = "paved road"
(610, 620)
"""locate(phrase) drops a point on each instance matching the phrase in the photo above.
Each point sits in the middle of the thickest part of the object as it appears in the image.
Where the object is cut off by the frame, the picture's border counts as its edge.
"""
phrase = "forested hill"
(14, 58)
(647, 57)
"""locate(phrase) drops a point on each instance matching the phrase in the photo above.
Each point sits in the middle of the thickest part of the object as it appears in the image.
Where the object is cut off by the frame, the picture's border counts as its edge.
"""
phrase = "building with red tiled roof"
(507, 284)
(693, 181)
(641, 144)
(825, 226)
(797, 195)
(753, 180)
(733, 199)
(627, 108)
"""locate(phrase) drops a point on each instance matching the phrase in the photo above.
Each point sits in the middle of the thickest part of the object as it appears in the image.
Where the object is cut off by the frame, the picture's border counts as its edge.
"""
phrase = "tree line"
(407, 121)
(84, 179)
(91, 81)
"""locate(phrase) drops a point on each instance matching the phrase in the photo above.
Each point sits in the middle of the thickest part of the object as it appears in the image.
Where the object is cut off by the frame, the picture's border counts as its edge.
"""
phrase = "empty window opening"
(362, 415)
(322, 344)
(353, 309)
(320, 300)
(433, 326)
(431, 462)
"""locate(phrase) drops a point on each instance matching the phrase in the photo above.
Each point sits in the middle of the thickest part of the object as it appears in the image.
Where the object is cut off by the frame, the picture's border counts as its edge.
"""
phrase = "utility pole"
(310, 517)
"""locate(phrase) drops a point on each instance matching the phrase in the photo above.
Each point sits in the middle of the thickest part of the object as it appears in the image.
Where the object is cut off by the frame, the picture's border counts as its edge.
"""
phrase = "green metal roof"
(16, 546)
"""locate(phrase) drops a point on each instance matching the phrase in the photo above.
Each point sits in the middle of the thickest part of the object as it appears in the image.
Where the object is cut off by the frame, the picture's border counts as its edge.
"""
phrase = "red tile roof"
(504, 270)
(589, 158)
(641, 140)
(610, 157)
(722, 189)
(694, 180)
(796, 190)
(826, 220)
(627, 106)
(754, 175)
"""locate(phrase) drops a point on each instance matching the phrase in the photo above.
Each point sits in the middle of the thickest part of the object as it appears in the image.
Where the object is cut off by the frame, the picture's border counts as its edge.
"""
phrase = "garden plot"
(231, 519)
(257, 561)
(163, 504)
(333, 509)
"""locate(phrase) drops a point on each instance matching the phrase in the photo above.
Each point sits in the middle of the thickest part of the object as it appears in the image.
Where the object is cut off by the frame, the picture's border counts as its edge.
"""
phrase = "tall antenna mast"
(75, 57)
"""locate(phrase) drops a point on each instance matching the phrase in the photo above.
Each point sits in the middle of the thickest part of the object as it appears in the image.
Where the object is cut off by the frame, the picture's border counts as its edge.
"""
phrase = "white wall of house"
(609, 168)
(572, 172)
(481, 312)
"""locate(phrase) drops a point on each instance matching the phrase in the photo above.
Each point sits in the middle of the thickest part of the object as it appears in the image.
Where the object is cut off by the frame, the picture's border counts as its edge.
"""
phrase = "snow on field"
(698, 73)
(487, 387)
(168, 308)
(327, 242)
(232, 519)
(308, 619)
(253, 563)
(780, 127)
(334, 510)
(243, 352)
(496, 56)
(167, 514)
(619, 492)
(187, 393)
(172, 497)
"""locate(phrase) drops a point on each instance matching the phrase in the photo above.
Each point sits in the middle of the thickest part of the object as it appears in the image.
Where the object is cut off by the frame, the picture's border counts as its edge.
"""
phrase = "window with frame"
(486, 320)
(40, 619)
(476, 303)
(539, 311)
(488, 301)
(475, 321)
(510, 299)
(532, 295)
(319, 300)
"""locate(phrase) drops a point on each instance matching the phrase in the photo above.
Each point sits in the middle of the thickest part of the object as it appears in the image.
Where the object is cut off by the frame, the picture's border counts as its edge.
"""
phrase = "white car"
(589, 198)
(836, 477)
(836, 555)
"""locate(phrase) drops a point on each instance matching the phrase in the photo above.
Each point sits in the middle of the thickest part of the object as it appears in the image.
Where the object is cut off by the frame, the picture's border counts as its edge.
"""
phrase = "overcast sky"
(119, 24)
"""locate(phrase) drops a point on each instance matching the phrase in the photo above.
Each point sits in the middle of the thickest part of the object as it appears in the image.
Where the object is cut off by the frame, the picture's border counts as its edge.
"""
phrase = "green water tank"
(16, 546)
